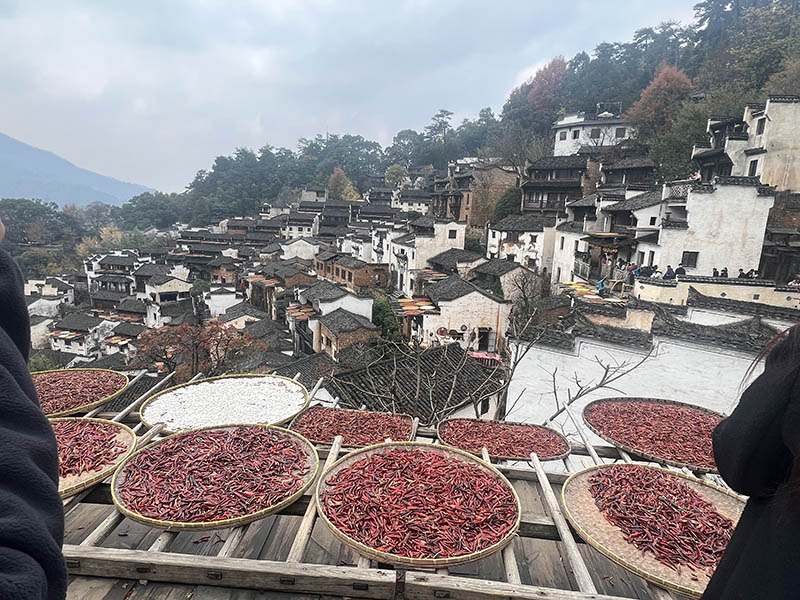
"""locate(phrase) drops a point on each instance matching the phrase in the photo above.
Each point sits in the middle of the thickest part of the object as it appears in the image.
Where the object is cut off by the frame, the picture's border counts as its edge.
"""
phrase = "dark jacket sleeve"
(749, 448)
(31, 512)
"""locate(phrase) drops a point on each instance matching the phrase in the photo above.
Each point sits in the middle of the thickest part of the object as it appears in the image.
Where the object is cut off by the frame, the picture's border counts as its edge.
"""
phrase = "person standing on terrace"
(757, 451)
(31, 512)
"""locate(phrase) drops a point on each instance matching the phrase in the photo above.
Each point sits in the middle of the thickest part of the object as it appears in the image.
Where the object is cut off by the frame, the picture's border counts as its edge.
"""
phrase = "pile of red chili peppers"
(212, 475)
(64, 390)
(85, 446)
(419, 504)
(676, 433)
(357, 428)
(659, 514)
(514, 440)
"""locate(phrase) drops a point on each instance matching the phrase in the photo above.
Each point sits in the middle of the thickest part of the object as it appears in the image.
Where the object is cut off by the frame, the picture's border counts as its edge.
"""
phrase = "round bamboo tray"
(406, 561)
(498, 457)
(72, 484)
(643, 454)
(119, 479)
(89, 405)
(315, 441)
(162, 393)
(582, 512)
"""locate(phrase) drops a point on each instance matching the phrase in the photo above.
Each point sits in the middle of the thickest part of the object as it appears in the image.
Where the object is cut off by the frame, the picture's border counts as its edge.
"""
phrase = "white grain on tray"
(226, 401)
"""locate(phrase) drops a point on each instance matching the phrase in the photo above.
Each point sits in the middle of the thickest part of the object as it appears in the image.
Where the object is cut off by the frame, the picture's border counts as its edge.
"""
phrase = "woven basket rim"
(106, 471)
(643, 454)
(610, 554)
(147, 402)
(374, 412)
(311, 452)
(395, 559)
(563, 438)
(90, 405)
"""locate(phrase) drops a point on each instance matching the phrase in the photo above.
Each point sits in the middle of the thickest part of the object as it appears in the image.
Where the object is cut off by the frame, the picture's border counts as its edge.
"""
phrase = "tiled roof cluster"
(429, 385)
(341, 321)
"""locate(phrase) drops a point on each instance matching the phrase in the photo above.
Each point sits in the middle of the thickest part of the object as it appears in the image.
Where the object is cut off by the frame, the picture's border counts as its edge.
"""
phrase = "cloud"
(152, 91)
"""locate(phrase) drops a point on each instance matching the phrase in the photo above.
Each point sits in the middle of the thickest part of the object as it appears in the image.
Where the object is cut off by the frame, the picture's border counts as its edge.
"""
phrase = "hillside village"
(332, 287)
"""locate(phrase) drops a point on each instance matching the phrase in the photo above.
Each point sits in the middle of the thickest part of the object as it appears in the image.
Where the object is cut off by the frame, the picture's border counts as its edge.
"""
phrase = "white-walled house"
(410, 252)
(218, 300)
(579, 129)
(300, 247)
(80, 334)
(524, 239)
(165, 288)
(410, 199)
(467, 314)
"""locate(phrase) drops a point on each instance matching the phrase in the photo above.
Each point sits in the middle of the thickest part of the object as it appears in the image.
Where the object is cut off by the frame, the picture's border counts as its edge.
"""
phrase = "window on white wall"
(452, 234)
(562, 135)
(576, 134)
(561, 243)
(652, 220)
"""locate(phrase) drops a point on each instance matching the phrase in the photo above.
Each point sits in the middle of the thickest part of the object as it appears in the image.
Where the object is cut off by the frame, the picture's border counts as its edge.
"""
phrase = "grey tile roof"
(340, 321)
(241, 310)
(573, 161)
(323, 290)
(124, 260)
(522, 223)
(150, 269)
(311, 368)
(497, 266)
(307, 239)
(78, 322)
(449, 259)
(326, 255)
(408, 239)
(453, 288)
(133, 392)
(638, 202)
(630, 162)
(56, 358)
(111, 278)
(177, 308)
(108, 295)
(429, 385)
(572, 226)
(585, 202)
(129, 329)
(61, 286)
(159, 280)
(132, 305)
(348, 262)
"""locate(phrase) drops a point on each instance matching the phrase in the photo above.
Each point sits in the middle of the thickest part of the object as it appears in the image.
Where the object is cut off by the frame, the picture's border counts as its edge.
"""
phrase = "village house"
(357, 244)
(524, 239)
(131, 309)
(356, 275)
(165, 288)
(456, 260)
(81, 334)
(40, 330)
(763, 144)
(44, 306)
(299, 224)
(219, 299)
(173, 313)
(119, 263)
(507, 279)
(341, 329)
(467, 314)
(270, 287)
(123, 340)
(239, 315)
(302, 247)
(601, 129)
(409, 253)
(273, 208)
(379, 196)
(552, 182)
(51, 287)
(412, 200)
(471, 190)
(314, 302)
(223, 269)
(313, 193)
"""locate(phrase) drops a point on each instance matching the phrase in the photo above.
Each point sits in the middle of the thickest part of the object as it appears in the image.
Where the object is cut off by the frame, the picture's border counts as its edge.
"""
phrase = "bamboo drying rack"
(367, 578)
(89, 405)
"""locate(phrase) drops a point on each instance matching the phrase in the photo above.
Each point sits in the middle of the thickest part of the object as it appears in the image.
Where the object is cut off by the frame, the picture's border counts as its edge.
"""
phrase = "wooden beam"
(307, 524)
(430, 586)
(230, 572)
(573, 555)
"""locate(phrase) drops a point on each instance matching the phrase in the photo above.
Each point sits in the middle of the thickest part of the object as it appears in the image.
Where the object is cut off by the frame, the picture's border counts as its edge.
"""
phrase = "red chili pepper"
(212, 475)
(85, 446)
(661, 515)
(515, 440)
(419, 504)
(679, 434)
(357, 428)
(61, 391)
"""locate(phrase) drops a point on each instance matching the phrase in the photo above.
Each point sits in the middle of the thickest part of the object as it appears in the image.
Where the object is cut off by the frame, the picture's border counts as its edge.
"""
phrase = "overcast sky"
(152, 91)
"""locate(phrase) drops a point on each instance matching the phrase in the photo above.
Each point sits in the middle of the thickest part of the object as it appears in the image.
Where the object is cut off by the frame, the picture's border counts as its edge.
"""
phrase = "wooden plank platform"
(293, 556)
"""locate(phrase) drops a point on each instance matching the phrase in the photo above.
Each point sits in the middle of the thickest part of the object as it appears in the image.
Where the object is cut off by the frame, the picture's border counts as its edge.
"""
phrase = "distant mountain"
(28, 172)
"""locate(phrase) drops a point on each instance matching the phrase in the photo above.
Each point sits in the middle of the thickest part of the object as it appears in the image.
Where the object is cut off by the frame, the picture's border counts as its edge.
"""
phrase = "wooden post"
(307, 524)
(574, 558)
(510, 565)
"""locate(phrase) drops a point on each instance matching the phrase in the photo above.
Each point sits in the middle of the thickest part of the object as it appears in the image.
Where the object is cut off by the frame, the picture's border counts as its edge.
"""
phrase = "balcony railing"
(581, 269)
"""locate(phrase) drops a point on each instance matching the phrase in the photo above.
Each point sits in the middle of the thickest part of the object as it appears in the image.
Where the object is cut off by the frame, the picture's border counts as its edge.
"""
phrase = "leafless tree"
(516, 146)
